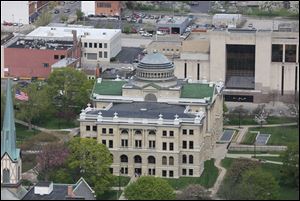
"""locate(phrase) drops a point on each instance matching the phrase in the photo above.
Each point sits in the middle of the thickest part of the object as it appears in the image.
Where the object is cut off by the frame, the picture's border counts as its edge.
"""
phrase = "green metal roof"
(8, 132)
(195, 90)
(109, 87)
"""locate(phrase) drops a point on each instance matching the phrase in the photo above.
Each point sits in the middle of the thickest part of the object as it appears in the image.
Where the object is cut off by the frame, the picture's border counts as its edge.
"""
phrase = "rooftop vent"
(104, 33)
(43, 188)
(143, 109)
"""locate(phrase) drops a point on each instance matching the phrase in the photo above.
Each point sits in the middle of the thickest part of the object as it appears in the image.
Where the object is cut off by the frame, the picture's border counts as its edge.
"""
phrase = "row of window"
(184, 144)
(164, 132)
(290, 53)
(103, 5)
(171, 146)
(57, 57)
(177, 50)
(96, 45)
(151, 171)
(151, 159)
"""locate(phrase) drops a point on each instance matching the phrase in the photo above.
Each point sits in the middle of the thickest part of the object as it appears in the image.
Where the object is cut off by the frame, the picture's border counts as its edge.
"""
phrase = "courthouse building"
(154, 123)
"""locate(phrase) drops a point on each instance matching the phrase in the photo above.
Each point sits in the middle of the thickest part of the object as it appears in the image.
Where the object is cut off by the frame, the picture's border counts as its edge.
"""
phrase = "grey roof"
(60, 192)
(6, 194)
(155, 61)
(137, 110)
(43, 183)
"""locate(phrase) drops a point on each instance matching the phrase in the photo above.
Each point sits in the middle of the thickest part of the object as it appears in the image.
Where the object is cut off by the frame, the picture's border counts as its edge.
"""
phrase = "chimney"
(75, 43)
(70, 191)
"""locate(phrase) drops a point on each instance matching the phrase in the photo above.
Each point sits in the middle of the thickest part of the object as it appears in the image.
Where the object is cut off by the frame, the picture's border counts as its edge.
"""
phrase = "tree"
(36, 105)
(51, 156)
(194, 192)
(290, 168)
(44, 19)
(63, 18)
(258, 185)
(149, 188)
(79, 14)
(69, 91)
(91, 160)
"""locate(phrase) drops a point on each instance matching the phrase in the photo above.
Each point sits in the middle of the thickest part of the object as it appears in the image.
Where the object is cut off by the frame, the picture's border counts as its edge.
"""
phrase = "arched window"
(183, 159)
(137, 159)
(151, 160)
(138, 132)
(191, 159)
(124, 159)
(150, 98)
(152, 132)
(171, 160)
(124, 131)
(164, 160)
(6, 176)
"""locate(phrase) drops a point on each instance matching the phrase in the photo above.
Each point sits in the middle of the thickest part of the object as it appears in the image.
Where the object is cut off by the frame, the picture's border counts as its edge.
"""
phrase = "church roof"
(8, 132)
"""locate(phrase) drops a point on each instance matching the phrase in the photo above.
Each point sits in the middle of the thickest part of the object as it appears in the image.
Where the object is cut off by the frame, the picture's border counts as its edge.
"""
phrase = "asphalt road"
(73, 7)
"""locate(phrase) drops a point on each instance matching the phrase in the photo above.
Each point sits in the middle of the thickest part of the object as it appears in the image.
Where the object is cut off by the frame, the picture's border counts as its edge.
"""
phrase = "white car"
(146, 34)
(161, 33)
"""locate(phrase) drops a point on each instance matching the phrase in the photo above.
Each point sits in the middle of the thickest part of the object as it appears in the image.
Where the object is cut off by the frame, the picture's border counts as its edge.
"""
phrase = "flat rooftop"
(145, 110)
(42, 44)
(66, 32)
(172, 20)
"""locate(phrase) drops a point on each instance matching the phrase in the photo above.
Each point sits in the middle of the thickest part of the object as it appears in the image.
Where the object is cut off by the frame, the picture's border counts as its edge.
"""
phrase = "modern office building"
(256, 65)
(154, 123)
(172, 25)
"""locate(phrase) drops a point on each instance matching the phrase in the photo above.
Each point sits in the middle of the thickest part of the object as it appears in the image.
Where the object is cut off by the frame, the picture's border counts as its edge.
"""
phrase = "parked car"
(67, 10)
(7, 23)
(250, 25)
(16, 79)
(161, 33)
(146, 34)
(56, 11)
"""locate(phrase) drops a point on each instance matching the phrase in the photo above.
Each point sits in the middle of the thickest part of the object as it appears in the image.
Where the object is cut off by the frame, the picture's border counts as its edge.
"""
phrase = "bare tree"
(194, 192)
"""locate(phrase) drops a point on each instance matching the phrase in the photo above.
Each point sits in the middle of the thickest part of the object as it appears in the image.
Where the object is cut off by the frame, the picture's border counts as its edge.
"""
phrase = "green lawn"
(57, 123)
(249, 138)
(207, 179)
(285, 193)
(252, 152)
(249, 120)
(123, 181)
(280, 135)
(22, 133)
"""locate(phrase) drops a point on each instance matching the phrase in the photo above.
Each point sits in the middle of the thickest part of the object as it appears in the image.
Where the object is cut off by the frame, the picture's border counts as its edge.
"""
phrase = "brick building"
(106, 8)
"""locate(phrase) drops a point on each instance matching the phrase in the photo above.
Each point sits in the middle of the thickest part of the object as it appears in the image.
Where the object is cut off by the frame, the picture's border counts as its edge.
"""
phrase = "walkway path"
(133, 179)
(251, 156)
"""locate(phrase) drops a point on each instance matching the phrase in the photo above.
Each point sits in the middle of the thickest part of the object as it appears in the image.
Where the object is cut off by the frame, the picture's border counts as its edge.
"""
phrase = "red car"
(7, 23)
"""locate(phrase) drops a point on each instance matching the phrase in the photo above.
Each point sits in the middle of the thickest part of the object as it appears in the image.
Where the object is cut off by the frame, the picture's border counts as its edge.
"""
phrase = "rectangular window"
(171, 146)
(198, 71)
(88, 128)
(111, 170)
(184, 172)
(164, 146)
(103, 130)
(105, 54)
(100, 54)
(104, 142)
(90, 45)
(191, 132)
(171, 173)
(171, 133)
(191, 145)
(94, 128)
(85, 44)
(62, 56)
(56, 57)
(185, 70)
(111, 131)
(138, 144)
(290, 53)
(151, 144)
(91, 56)
(105, 45)
(282, 80)
(164, 173)
(184, 144)
(277, 53)
(95, 45)
(100, 45)
(124, 143)
(184, 131)
(164, 133)
(191, 172)
(111, 144)
(103, 5)
(46, 65)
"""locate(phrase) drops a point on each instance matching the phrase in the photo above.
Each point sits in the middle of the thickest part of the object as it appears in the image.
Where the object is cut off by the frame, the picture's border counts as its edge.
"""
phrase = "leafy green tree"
(290, 168)
(44, 19)
(79, 14)
(63, 18)
(127, 28)
(91, 160)
(69, 91)
(194, 192)
(258, 185)
(36, 105)
(149, 188)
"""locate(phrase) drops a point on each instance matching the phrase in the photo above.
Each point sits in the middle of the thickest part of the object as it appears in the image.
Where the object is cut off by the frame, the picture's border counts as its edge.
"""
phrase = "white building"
(230, 20)
(98, 45)
(88, 7)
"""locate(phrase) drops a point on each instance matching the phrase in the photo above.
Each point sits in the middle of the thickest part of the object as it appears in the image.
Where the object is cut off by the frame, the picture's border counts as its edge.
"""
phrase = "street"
(68, 5)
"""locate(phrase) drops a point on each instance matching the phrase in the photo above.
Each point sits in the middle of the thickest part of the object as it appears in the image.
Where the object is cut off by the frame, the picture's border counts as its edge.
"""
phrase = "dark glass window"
(184, 159)
(104, 142)
(110, 145)
(171, 146)
(277, 53)
(171, 133)
(164, 133)
(88, 128)
(290, 53)
(191, 172)
(164, 173)
(94, 128)
(103, 130)
(164, 146)
(111, 131)
(191, 132)
(184, 131)
(191, 145)
(183, 171)
(95, 45)
(184, 144)
(171, 173)
(85, 44)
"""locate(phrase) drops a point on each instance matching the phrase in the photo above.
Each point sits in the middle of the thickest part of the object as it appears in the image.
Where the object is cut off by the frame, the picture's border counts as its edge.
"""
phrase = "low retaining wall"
(235, 147)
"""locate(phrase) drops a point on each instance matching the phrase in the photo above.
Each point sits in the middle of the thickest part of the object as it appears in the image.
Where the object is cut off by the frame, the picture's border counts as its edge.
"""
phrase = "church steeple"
(8, 132)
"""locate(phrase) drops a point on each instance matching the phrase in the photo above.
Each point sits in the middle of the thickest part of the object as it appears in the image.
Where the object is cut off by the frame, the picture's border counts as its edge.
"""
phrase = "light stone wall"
(13, 168)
